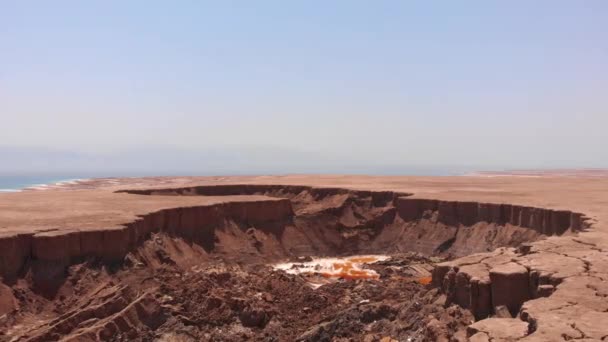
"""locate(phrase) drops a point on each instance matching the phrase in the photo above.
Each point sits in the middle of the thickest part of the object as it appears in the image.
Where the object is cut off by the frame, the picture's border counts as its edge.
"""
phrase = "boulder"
(254, 317)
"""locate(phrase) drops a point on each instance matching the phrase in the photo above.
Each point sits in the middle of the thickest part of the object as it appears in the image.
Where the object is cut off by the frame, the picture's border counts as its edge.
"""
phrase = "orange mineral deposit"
(363, 260)
(425, 280)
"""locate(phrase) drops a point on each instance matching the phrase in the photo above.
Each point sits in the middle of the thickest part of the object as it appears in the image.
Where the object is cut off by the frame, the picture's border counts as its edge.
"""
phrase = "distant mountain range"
(211, 161)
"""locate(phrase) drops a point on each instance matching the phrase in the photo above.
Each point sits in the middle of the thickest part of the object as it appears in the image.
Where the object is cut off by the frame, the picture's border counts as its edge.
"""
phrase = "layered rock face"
(382, 221)
(509, 277)
(556, 286)
(61, 247)
(453, 213)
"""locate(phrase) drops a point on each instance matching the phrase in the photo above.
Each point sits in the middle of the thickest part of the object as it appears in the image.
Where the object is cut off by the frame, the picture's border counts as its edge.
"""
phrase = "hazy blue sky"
(309, 86)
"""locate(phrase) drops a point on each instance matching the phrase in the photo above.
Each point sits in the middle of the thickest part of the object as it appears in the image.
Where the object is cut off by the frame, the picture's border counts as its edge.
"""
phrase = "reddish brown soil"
(191, 263)
(161, 299)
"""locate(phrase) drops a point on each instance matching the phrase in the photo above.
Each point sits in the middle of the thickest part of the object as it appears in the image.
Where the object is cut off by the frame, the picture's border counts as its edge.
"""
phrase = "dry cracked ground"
(478, 258)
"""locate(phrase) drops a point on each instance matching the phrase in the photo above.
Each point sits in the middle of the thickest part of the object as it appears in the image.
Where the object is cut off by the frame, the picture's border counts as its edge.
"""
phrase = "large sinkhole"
(230, 270)
(333, 222)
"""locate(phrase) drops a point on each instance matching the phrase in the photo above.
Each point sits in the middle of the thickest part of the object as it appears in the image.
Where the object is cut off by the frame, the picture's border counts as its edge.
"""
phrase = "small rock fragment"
(502, 311)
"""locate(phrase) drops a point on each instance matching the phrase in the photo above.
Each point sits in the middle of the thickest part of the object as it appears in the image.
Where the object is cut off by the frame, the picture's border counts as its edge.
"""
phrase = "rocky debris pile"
(234, 303)
(220, 301)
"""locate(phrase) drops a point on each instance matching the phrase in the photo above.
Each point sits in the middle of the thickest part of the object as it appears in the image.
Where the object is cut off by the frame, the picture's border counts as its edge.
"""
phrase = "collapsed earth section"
(138, 279)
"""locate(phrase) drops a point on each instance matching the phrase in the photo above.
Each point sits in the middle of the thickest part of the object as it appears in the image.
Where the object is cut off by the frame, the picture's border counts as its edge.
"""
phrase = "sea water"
(14, 183)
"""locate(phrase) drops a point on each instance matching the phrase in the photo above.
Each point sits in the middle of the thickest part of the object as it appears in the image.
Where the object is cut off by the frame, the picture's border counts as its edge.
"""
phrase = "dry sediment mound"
(279, 222)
